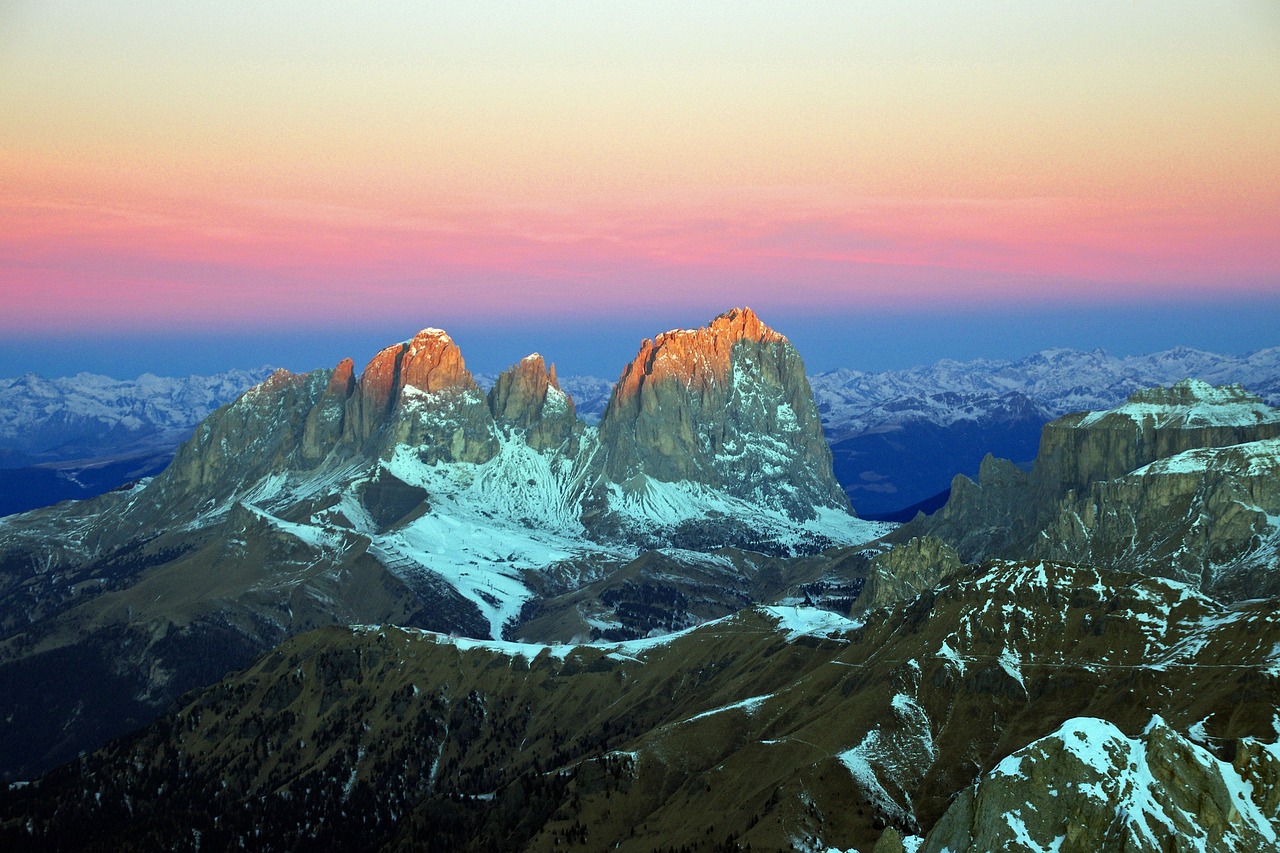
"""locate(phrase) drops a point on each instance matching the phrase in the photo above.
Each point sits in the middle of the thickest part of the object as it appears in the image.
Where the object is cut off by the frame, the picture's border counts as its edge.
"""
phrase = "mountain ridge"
(778, 728)
(898, 436)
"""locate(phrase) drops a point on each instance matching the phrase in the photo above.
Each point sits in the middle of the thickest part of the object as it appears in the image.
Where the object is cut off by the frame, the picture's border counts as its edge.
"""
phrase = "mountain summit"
(727, 405)
(430, 362)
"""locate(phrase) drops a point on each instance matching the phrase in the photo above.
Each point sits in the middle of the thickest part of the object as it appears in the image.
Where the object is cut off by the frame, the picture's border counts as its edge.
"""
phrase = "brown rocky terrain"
(1080, 449)
(430, 362)
(905, 571)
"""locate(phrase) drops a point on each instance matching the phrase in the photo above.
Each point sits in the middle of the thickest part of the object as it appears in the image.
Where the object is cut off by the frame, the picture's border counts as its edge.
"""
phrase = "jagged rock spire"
(527, 396)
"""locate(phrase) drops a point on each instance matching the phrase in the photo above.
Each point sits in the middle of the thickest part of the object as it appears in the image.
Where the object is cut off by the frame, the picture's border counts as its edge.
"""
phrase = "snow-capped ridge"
(1189, 403)
(1099, 784)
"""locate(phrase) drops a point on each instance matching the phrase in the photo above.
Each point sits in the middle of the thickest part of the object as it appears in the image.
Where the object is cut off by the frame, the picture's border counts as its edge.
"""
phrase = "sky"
(200, 185)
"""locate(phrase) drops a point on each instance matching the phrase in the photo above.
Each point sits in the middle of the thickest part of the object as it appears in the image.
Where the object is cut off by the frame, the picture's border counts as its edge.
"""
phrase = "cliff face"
(1177, 481)
(325, 421)
(259, 434)
(430, 362)
(1088, 447)
(727, 406)
(992, 517)
(1209, 517)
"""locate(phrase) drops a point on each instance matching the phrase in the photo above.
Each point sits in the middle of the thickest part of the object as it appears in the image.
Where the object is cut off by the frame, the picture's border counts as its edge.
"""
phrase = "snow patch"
(800, 622)
(749, 705)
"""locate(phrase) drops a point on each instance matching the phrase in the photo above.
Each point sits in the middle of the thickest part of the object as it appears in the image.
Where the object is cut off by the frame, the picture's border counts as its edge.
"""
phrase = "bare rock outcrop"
(325, 422)
(905, 571)
(1207, 517)
(1177, 481)
(420, 394)
(257, 435)
(1084, 448)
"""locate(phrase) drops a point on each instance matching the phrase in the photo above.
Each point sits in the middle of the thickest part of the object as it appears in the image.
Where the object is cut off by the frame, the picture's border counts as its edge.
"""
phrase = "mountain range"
(406, 494)
(898, 437)
(75, 437)
(391, 609)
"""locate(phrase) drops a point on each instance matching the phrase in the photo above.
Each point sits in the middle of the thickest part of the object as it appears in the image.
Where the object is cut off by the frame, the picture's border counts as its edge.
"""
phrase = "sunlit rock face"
(528, 397)
(420, 394)
(728, 406)
(430, 362)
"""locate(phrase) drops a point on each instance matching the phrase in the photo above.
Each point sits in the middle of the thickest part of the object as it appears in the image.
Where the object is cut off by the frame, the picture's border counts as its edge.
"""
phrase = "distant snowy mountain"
(1059, 381)
(92, 416)
(898, 437)
(78, 436)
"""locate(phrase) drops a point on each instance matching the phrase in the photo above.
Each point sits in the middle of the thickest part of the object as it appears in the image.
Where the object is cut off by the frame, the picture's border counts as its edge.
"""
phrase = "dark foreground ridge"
(775, 728)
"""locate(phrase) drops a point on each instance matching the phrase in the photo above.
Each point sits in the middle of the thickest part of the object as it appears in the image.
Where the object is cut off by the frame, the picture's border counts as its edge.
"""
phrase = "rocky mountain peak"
(343, 381)
(527, 395)
(727, 406)
(279, 378)
(430, 362)
(695, 357)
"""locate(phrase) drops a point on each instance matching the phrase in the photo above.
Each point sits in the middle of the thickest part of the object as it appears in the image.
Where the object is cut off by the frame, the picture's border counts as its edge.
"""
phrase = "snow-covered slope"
(1088, 786)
